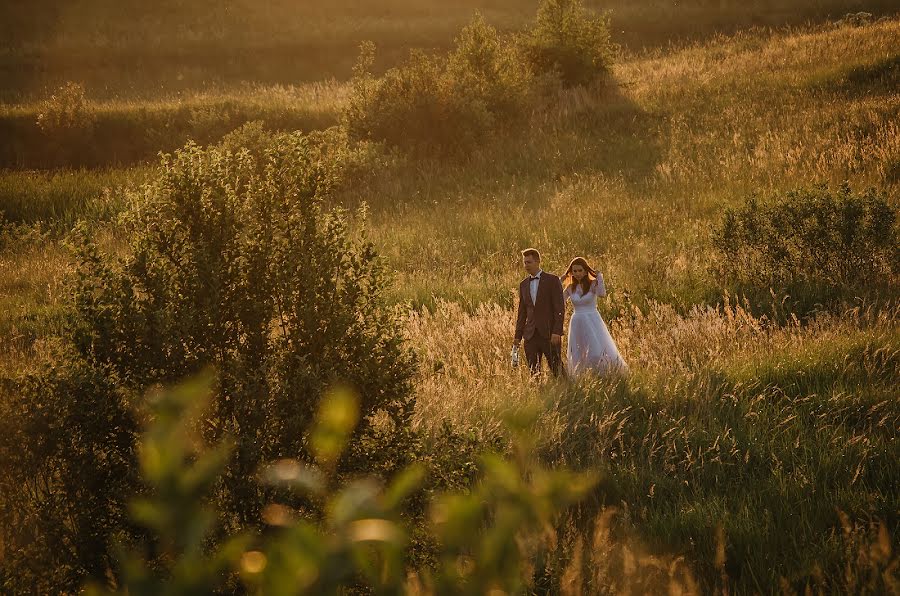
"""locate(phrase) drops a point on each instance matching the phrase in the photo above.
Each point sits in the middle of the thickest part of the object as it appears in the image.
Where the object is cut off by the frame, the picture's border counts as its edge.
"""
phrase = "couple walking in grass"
(542, 309)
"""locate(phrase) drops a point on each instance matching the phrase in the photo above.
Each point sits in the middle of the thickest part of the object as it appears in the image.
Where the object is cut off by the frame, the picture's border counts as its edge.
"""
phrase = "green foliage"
(816, 245)
(487, 83)
(19, 235)
(567, 40)
(180, 477)
(501, 533)
(65, 121)
(486, 536)
(236, 262)
(350, 163)
(66, 111)
(419, 105)
(66, 468)
(250, 136)
(487, 67)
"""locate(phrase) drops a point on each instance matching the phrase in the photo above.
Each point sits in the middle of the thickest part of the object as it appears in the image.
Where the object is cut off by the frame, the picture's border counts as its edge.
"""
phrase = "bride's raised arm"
(599, 287)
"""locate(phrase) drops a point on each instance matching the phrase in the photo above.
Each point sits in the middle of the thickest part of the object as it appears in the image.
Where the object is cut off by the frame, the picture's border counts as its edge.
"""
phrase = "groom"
(540, 315)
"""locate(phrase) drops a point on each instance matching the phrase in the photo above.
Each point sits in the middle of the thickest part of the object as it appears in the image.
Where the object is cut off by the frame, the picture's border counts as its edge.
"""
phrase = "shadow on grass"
(868, 80)
(135, 135)
(768, 452)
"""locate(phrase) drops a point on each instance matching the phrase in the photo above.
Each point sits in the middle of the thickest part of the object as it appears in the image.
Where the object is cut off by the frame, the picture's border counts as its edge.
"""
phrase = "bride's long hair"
(586, 281)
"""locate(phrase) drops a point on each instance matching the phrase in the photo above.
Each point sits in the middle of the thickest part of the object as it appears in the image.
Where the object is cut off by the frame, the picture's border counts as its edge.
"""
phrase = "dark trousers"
(538, 348)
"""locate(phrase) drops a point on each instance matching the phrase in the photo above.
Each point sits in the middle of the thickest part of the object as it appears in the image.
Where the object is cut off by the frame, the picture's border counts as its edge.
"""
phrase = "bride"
(591, 347)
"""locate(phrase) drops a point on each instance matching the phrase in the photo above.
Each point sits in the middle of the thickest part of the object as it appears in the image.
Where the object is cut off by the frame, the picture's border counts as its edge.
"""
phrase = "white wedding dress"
(591, 347)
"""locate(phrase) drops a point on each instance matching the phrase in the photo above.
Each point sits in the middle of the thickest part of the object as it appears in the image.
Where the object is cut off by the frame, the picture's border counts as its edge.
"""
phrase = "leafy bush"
(570, 42)
(17, 236)
(351, 162)
(489, 538)
(488, 67)
(815, 244)
(65, 124)
(66, 111)
(444, 104)
(416, 106)
(251, 136)
(66, 470)
(235, 262)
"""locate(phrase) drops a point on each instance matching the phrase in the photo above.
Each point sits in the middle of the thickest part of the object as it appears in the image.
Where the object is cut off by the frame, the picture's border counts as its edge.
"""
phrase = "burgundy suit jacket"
(546, 317)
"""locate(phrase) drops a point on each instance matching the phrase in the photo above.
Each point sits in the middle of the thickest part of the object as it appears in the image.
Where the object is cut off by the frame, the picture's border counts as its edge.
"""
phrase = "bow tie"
(535, 278)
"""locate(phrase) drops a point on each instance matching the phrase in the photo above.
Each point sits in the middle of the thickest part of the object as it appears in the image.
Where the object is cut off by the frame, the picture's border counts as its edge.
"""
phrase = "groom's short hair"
(531, 252)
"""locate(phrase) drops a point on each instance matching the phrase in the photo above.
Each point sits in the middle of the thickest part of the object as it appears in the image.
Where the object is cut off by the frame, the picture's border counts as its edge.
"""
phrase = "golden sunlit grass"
(322, 99)
(461, 351)
(633, 180)
(202, 43)
(724, 419)
(60, 198)
(630, 180)
(31, 293)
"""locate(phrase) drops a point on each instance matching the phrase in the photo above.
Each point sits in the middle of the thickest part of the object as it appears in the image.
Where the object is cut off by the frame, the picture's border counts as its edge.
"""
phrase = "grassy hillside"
(730, 425)
(632, 179)
(138, 48)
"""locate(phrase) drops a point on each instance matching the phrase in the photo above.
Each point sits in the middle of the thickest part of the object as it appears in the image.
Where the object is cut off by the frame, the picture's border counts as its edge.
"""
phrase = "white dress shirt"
(534, 286)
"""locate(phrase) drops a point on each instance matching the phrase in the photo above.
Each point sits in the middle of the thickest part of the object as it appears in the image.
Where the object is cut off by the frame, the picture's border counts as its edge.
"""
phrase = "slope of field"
(632, 179)
(131, 48)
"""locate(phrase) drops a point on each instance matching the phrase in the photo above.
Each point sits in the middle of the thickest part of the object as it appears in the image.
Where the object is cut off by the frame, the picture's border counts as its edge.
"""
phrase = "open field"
(135, 48)
(728, 420)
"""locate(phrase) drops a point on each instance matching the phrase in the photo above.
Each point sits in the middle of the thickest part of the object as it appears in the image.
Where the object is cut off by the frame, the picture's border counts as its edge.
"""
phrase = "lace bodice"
(587, 302)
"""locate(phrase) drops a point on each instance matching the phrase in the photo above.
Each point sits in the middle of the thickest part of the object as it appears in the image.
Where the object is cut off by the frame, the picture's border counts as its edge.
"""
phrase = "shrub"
(66, 123)
(569, 41)
(416, 106)
(490, 69)
(445, 104)
(857, 19)
(442, 104)
(66, 470)
(66, 111)
(17, 236)
(353, 164)
(251, 136)
(235, 262)
(816, 244)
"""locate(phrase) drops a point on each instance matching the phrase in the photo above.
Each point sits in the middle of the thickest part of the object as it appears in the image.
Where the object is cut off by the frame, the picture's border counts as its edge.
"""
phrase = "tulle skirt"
(591, 347)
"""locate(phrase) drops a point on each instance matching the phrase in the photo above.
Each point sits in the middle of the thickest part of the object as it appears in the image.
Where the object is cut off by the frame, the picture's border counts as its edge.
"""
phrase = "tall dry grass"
(729, 434)
(32, 294)
(466, 374)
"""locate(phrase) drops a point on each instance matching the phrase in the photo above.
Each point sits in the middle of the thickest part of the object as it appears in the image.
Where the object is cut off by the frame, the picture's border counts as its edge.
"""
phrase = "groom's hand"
(556, 339)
